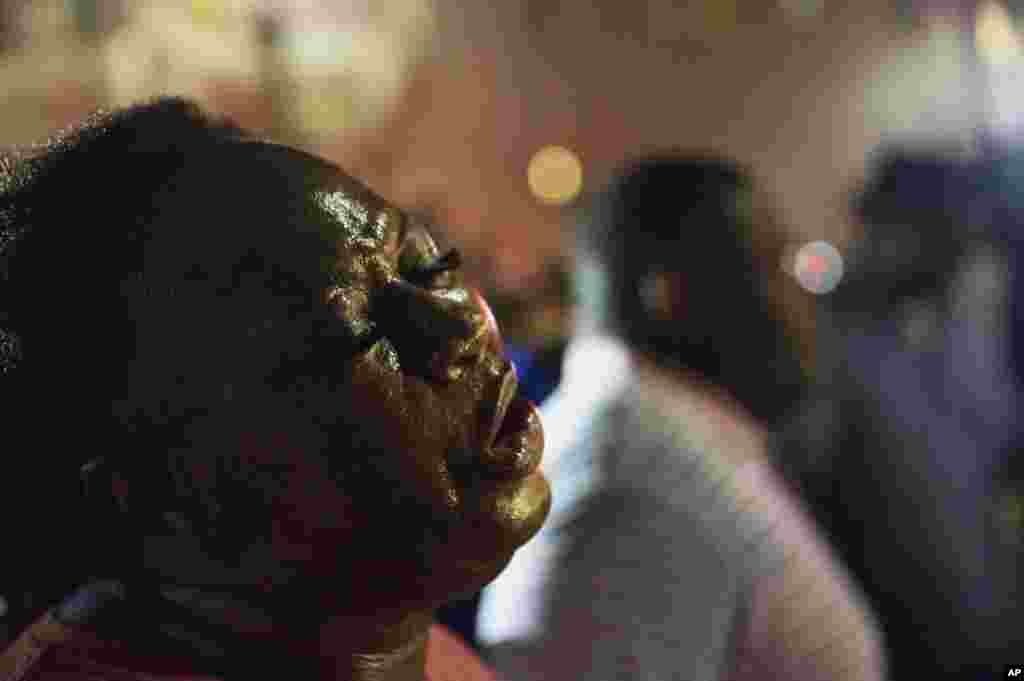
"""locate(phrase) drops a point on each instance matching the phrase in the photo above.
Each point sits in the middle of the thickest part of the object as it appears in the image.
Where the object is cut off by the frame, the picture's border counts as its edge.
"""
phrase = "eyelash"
(426, 274)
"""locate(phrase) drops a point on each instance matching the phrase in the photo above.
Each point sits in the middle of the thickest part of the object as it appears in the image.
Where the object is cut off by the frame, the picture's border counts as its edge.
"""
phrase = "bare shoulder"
(449, 659)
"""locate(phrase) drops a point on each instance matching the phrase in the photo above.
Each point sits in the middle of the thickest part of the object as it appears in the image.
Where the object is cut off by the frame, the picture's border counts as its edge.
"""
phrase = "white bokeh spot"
(818, 267)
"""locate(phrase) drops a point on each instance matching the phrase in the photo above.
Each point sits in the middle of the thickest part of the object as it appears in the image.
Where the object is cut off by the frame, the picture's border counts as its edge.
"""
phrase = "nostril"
(437, 334)
(478, 340)
(401, 305)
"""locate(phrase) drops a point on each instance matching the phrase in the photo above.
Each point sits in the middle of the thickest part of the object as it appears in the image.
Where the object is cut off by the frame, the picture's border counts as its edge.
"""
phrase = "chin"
(503, 517)
(520, 508)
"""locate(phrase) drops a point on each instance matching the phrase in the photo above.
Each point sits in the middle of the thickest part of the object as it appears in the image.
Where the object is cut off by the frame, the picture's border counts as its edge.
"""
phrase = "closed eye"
(432, 274)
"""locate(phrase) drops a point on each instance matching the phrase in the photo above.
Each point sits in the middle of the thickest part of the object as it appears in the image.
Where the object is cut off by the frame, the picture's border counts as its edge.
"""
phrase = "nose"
(436, 332)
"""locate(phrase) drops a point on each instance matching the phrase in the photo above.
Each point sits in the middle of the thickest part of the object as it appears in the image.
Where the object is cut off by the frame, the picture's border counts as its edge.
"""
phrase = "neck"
(395, 651)
(277, 623)
(696, 401)
(336, 648)
(659, 370)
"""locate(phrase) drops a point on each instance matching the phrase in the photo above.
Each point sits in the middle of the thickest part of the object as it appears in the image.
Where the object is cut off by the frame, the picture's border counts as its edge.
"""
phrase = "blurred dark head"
(917, 212)
(671, 252)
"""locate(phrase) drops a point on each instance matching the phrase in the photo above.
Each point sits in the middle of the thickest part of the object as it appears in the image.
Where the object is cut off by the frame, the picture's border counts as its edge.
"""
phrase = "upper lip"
(517, 453)
(507, 387)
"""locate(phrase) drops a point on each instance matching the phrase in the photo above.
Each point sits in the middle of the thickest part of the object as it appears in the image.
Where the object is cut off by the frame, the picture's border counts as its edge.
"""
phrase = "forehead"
(341, 209)
(350, 215)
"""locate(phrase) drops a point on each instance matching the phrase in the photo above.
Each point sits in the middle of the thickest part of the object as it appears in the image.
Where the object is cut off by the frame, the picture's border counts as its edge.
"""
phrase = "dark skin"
(446, 488)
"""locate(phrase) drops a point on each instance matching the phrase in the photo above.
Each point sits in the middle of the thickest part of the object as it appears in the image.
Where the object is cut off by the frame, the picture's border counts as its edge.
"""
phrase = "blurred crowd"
(867, 346)
(899, 436)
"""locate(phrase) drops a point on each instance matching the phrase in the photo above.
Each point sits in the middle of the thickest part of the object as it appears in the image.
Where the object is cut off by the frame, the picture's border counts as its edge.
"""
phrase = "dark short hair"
(145, 257)
(917, 209)
(691, 214)
(146, 224)
(76, 213)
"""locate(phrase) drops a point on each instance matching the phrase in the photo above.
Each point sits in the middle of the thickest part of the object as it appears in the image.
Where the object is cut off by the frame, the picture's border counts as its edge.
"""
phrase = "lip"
(514, 437)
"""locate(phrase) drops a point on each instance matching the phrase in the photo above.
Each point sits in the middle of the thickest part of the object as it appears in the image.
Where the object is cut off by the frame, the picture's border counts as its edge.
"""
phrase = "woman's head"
(267, 353)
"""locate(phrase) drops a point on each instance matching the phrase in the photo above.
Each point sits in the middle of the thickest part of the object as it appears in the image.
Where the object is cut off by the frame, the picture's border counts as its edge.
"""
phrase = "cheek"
(303, 496)
(402, 432)
(391, 418)
(311, 519)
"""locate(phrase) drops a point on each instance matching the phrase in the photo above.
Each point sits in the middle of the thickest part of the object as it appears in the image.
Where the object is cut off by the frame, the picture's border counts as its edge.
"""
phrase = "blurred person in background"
(296, 427)
(537, 323)
(674, 550)
(901, 449)
(1004, 175)
(12, 25)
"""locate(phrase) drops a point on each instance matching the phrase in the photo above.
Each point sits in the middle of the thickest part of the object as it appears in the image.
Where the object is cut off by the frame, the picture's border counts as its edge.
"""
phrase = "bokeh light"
(995, 36)
(555, 175)
(1000, 50)
(802, 9)
(720, 16)
(818, 267)
(209, 13)
(938, 107)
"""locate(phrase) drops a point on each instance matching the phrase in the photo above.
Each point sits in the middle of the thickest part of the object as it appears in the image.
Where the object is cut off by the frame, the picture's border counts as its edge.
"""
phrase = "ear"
(107, 492)
(663, 295)
(10, 351)
(655, 290)
(102, 488)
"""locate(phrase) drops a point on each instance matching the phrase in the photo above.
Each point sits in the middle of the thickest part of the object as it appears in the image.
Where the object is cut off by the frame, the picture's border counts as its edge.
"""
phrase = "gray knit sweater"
(672, 552)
